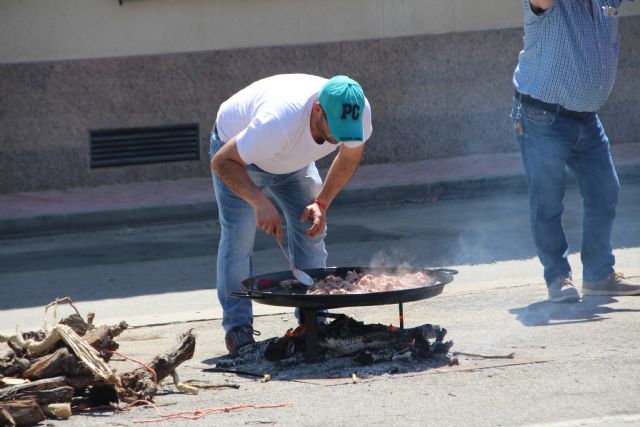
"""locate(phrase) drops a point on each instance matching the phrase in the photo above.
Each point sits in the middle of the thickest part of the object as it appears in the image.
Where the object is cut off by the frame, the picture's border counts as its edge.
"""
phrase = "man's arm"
(229, 167)
(341, 171)
(539, 6)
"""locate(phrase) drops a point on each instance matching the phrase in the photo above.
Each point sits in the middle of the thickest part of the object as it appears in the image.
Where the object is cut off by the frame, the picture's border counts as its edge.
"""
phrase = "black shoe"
(239, 337)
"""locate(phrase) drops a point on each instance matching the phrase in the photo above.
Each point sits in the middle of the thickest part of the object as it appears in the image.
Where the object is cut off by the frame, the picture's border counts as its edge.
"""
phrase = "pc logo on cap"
(342, 100)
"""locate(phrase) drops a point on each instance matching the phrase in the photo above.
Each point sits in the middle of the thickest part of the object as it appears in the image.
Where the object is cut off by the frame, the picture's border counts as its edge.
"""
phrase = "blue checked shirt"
(570, 55)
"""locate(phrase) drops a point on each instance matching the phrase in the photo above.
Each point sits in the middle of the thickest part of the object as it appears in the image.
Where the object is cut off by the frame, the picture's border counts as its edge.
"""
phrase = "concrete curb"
(205, 210)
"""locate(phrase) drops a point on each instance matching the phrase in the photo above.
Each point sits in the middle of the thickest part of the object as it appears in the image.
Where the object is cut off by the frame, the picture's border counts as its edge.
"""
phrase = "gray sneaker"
(613, 285)
(562, 290)
(239, 337)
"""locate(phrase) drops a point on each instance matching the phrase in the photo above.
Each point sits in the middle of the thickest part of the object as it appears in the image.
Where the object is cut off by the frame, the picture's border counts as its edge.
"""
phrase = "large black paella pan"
(281, 289)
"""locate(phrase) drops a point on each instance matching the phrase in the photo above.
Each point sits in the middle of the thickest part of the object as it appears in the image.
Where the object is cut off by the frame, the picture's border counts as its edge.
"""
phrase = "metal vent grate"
(119, 147)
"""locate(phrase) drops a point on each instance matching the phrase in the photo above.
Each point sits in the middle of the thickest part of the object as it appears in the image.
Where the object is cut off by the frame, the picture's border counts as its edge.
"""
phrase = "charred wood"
(6, 420)
(55, 395)
(79, 346)
(141, 384)
(61, 362)
(38, 335)
(164, 364)
(371, 343)
(75, 322)
(367, 357)
(13, 366)
(9, 381)
(137, 385)
(101, 338)
(23, 412)
(101, 395)
(338, 346)
(281, 348)
(80, 383)
(31, 389)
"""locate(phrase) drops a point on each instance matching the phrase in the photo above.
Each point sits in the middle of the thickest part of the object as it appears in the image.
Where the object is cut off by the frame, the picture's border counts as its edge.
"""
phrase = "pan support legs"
(311, 335)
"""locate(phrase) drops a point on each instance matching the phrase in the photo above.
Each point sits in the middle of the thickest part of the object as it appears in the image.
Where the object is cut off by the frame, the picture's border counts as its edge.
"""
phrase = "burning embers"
(345, 341)
(346, 337)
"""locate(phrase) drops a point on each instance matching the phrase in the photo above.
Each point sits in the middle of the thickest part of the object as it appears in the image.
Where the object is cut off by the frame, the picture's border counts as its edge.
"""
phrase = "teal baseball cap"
(342, 100)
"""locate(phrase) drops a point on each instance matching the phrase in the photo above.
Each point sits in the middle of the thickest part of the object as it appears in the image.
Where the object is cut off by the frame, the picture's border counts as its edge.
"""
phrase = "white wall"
(36, 30)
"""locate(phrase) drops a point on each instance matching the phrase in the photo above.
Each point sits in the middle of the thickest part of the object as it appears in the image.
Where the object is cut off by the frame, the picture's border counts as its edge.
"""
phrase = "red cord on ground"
(196, 413)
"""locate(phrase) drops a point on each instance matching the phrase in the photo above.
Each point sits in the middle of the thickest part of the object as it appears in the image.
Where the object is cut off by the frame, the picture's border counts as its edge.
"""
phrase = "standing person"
(265, 140)
(565, 73)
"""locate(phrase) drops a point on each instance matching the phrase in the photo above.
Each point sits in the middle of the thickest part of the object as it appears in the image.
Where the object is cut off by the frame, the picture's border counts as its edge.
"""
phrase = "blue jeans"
(549, 142)
(292, 192)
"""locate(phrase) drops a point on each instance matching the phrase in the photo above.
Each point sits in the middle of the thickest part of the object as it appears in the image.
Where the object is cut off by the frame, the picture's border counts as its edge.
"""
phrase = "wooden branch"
(140, 385)
(6, 419)
(23, 412)
(81, 382)
(61, 362)
(84, 351)
(9, 381)
(29, 390)
(186, 388)
(101, 338)
(166, 363)
(37, 348)
(55, 395)
(13, 366)
(58, 410)
(75, 322)
(54, 304)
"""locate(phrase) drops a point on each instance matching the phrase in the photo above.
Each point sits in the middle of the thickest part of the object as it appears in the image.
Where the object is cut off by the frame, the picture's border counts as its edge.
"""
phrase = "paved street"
(572, 362)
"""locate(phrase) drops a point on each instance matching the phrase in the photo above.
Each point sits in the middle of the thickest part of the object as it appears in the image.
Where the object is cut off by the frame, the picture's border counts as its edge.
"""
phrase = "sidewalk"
(47, 212)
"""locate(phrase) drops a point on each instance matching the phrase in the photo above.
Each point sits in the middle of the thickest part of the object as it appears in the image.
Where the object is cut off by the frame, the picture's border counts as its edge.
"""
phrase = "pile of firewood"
(53, 372)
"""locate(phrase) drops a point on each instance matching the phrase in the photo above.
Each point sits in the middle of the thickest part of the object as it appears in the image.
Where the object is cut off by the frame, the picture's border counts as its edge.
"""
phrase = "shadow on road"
(545, 313)
(161, 259)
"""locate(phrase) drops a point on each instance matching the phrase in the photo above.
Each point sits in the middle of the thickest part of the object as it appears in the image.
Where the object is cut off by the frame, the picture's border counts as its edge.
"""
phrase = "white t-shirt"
(271, 121)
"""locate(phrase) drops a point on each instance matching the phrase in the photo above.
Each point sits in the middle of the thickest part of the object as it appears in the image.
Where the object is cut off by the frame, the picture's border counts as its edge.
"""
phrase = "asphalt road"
(576, 364)
(172, 268)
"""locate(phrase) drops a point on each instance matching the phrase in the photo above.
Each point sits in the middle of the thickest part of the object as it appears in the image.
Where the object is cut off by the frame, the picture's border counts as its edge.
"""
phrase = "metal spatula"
(300, 275)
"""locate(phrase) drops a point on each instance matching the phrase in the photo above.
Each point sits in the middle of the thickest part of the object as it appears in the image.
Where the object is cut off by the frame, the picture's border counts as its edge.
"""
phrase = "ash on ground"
(344, 347)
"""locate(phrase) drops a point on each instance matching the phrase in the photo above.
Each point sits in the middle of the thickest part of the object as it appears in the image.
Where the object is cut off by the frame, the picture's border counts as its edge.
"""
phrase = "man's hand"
(230, 167)
(268, 218)
(316, 214)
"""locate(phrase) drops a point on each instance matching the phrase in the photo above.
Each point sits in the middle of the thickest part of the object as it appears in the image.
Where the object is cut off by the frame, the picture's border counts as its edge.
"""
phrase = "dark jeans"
(550, 142)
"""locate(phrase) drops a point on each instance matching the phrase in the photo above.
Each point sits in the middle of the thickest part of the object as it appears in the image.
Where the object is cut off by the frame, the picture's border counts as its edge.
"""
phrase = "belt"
(552, 108)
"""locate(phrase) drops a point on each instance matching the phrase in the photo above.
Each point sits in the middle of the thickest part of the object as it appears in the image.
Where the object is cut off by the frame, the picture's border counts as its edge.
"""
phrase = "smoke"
(394, 260)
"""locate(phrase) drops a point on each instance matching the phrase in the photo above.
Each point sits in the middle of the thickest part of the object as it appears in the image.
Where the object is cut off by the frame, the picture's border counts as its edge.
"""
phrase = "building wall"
(43, 30)
(433, 96)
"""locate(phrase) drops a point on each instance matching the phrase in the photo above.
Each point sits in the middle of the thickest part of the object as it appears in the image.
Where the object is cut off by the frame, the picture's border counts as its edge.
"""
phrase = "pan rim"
(338, 300)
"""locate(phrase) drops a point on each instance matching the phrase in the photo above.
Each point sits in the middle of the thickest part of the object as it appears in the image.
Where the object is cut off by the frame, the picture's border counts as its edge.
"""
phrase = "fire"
(295, 332)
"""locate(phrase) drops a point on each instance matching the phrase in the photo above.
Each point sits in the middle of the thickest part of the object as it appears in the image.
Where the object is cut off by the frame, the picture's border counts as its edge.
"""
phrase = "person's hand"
(268, 219)
(317, 215)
